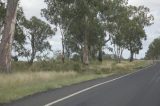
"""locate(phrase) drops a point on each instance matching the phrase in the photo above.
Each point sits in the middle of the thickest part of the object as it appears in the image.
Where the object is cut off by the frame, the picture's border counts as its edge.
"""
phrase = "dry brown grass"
(17, 85)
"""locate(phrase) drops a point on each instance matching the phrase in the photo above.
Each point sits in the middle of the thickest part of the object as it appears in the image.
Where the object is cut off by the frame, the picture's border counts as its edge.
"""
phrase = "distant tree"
(113, 15)
(134, 35)
(8, 34)
(39, 32)
(153, 50)
(129, 30)
(139, 17)
(58, 13)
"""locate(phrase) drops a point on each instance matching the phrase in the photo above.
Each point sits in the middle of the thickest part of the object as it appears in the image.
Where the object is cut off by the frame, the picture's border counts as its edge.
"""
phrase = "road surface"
(137, 89)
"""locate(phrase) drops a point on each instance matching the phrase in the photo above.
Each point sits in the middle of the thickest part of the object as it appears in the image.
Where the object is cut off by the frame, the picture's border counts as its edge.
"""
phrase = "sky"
(33, 8)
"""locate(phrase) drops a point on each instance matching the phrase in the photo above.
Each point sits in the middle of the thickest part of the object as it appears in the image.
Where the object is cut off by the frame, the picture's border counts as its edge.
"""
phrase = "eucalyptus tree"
(118, 42)
(126, 35)
(8, 34)
(19, 35)
(76, 17)
(118, 37)
(139, 18)
(129, 30)
(59, 13)
(153, 50)
(98, 41)
(113, 15)
(38, 34)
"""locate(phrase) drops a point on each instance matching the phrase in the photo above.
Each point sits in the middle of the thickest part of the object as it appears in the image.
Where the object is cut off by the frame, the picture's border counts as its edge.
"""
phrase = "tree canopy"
(153, 50)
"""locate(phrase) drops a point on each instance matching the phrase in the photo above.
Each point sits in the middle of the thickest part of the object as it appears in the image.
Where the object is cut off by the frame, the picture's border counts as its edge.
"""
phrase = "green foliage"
(153, 51)
(39, 32)
(50, 65)
(140, 17)
(2, 15)
(76, 57)
(129, 30)
(19, 36)
(81, 22)
(85, 23)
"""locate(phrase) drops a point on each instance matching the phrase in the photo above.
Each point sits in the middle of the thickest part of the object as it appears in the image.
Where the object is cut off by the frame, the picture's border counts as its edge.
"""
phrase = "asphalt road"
(138, 89)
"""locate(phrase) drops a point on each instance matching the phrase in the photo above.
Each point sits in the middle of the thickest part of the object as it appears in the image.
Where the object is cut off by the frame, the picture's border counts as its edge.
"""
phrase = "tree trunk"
(85, 48)
(81, 54)
(100, 55)
(132, 55)
(63, 47)
(7, 38)
(33, 50)
(85, 52)
(32, 58)
(120, 59)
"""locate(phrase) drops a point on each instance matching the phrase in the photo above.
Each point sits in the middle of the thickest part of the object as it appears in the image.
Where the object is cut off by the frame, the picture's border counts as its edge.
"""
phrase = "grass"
(35, 79)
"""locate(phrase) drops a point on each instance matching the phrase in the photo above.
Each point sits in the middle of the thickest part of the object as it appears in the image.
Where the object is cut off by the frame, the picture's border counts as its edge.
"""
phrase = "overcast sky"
(33, 8)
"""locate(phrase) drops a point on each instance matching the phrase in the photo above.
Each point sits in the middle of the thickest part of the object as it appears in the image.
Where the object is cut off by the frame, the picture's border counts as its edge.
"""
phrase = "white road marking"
(89, 88)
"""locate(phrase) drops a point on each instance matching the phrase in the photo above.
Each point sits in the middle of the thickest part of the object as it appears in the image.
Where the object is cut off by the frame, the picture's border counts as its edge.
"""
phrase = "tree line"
(86, 27)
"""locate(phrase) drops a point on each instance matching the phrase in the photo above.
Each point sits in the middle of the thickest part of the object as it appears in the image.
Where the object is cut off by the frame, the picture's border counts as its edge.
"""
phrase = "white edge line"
(89, 88)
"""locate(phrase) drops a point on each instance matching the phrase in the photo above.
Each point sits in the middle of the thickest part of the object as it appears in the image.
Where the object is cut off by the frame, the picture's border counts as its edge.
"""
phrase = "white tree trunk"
(85, 48)
(7, 38)
(85, 52)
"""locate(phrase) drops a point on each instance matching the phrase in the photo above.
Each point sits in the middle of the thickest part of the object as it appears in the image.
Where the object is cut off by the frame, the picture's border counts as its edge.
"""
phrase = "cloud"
(32, 7)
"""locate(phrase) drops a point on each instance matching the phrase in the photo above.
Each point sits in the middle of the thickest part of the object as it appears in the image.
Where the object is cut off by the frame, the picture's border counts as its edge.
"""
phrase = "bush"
(20, 66)
(77, 67)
